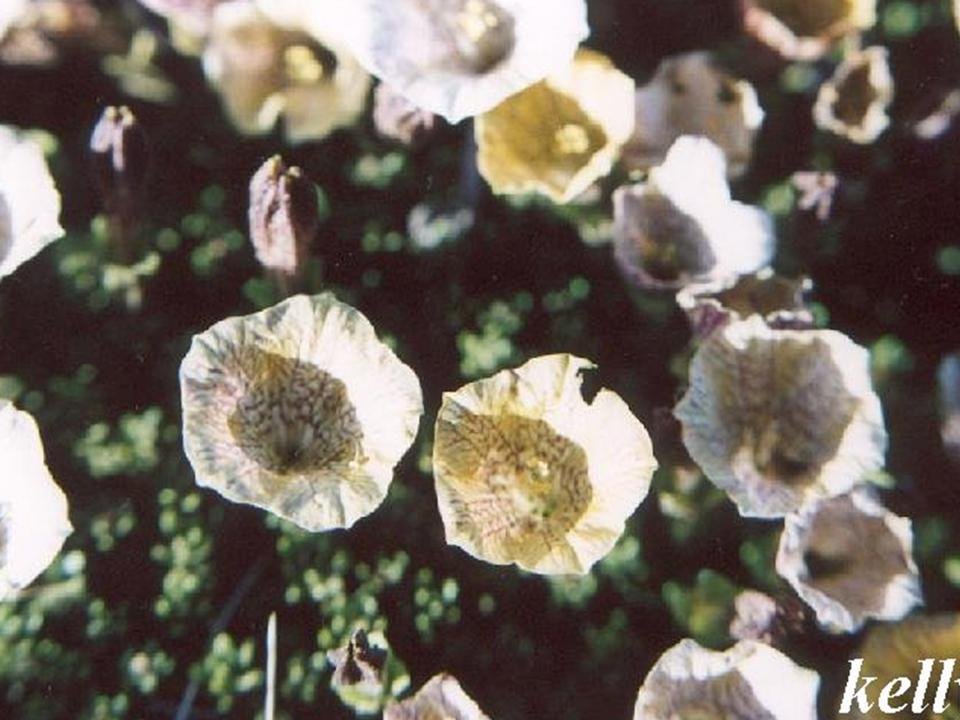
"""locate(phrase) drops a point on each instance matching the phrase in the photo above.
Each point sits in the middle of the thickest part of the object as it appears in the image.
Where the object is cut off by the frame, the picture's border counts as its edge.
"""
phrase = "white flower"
(459, 58)
(442, 698)
(33, 508)
(854, 102)
(29, 201)
(681, 225)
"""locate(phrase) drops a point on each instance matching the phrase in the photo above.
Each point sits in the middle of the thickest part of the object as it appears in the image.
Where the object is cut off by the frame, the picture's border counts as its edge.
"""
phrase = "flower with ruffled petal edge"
(778, 300)
(267, 62)
(459, 58)
(681, 226)
(298, 409)
(894, 650)
(854, 102)
(750, 681)
(850, 559)
(948, 386)
(527, 472)
(559, 136)
(441, 698)
(779, 417)
(29, 201)
(690, 95)
(33, 508)
(806, 29)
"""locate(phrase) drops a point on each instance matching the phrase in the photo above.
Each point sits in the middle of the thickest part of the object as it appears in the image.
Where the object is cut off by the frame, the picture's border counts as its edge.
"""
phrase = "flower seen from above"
(690, 95)
(681, 225)
(779, 417)
(750, 681)
(441, 698)
(850, 559)
(559, 136)
(33, 508)
(298, 409)
(528, 472)
(854, 102)
(459, 58)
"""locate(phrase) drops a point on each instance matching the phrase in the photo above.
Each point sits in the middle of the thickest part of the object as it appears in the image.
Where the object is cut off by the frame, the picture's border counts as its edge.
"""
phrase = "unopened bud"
(284, 216)
(358, 662)
(118, 146)
(397, 118)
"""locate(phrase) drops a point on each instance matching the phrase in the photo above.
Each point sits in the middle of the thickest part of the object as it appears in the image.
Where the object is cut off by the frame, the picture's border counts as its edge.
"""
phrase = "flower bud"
(118, 147)
(284, 216)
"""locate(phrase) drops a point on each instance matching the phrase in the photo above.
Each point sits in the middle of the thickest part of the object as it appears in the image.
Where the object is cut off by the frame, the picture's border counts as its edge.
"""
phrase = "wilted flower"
(298, 409)
(559, 136)
(853, 103)
(396, 118)
(903, 649)
(681, 226)
(29, 201)
(268, 59)
(948, 384)
(816, 191)
(459, 58)
(33, 508)
(779, 417)
(778, 300)
(529, 473)
(442, 698)
(806, 30)
(750, 681)
(284, 216)
(358, 671)
(690, 95)
(850, 559)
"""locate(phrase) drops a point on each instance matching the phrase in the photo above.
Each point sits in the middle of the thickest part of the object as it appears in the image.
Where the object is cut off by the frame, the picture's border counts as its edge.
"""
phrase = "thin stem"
(270, 699)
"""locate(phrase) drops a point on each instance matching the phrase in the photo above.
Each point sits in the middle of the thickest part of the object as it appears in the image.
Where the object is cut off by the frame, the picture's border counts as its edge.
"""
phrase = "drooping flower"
(806, 29)
(750, 681)
(33, 508)
(559, 136)
(850, 559)
(298, 409)
(441, 698)
(459, 58)
(690, 95)
(270, 60)
(779, 417)
(778, 300)
(527, 472)
(681, 226)
(902, 650)
(854, 102)
(29, 201)
(948, 385)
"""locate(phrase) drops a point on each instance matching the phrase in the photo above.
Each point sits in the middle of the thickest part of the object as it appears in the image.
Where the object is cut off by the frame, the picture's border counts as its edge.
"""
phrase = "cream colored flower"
(268, 62)
(527, 472)
(559, 136)
(850, 559)
(779, 417)
(750, 681)
(299, 410)
(33, 508)
(690, 95)
(681, 226)
(853, 104)
(806, 29)
(895, 650)
(459, 58)
(29, 201)
(442, 698)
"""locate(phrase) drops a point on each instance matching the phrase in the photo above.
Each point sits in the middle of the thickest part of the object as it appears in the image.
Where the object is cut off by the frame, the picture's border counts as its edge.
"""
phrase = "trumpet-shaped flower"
(853, 104)
(690, 95)
(459, 58)
(806, 29)
(268, 60)
(559, 136)
(33, 508)
(779, 417)
(850, 559)
(442, 698)
(751, 681)
(681, 226)
(29, 201)
(527, 472)
(298, 409)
